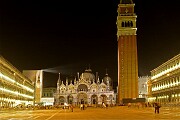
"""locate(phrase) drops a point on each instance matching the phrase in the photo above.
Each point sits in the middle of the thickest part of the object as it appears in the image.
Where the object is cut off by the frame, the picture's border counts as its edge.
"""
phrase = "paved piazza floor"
(111, 113)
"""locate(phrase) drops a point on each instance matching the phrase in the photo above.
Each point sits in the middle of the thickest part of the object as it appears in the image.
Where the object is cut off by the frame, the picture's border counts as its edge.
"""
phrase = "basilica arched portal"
(103, 98)
(70, 99)
(61, 100)
(82, 98)
(94, 99)
(111, 99)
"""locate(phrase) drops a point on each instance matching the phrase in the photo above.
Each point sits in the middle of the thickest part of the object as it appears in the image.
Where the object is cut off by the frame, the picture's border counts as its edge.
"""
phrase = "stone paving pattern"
(91, 113)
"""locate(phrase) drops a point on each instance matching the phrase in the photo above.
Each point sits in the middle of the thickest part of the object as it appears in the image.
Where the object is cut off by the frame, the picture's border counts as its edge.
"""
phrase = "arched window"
(131, 24)
(126, 24)
(122, 24)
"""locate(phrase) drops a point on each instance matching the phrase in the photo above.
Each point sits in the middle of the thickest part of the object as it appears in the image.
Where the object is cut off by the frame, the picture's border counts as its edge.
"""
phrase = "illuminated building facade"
(142, 83)
(48, 95)
(164, 85)
(127, 51)
(15, 88)
(86, 90)
(48, 91)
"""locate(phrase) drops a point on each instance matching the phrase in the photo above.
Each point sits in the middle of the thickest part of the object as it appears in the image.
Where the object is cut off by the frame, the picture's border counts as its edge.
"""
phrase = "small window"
(126, 24)
(122, 24)
(131, 24)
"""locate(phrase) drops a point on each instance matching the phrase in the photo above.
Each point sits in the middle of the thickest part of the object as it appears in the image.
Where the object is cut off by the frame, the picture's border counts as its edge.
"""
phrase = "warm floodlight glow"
(166, 71)
(16, 93)
(13, 81)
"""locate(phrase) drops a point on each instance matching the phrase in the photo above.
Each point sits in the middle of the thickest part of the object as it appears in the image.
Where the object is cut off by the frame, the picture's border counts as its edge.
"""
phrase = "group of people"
(82, 106)
(156, 106)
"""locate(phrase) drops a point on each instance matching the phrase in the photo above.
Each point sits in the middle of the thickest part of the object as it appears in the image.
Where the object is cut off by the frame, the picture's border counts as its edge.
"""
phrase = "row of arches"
(127, 24)
(169, 83)
(82, 98)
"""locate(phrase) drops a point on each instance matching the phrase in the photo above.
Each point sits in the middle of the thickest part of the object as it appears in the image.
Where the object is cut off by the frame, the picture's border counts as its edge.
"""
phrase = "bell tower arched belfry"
(127, 51)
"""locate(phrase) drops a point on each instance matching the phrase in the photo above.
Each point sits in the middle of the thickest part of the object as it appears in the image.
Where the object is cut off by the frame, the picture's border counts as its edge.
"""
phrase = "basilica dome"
(88, 75)
(107, 78)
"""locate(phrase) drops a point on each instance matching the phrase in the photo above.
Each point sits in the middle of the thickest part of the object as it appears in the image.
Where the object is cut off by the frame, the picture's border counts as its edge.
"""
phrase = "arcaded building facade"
(86, 89)
(164, 85)
(15, 88)
(127, 51)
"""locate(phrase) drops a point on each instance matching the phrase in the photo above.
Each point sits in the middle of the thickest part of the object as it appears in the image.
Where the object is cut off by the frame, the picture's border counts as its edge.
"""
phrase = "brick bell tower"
(127, 51)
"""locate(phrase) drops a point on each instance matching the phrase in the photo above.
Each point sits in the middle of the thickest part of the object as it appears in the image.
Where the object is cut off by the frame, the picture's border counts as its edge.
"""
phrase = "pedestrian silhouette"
(156, 106)
(71, 108)
(81, 106)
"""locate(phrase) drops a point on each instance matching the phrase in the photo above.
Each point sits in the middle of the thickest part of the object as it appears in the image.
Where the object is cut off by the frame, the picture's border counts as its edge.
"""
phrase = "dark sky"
(70, 35)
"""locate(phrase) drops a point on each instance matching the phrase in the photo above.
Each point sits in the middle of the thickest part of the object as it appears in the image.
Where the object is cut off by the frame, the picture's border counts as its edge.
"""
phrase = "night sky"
(72, 35)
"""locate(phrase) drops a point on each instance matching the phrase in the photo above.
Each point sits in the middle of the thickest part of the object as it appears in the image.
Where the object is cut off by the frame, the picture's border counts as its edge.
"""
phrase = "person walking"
(71, 108)
(81, 106)
(156, 106)
(103, 105)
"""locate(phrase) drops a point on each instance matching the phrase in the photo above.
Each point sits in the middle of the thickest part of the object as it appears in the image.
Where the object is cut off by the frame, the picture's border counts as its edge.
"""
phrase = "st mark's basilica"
(86, 89)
